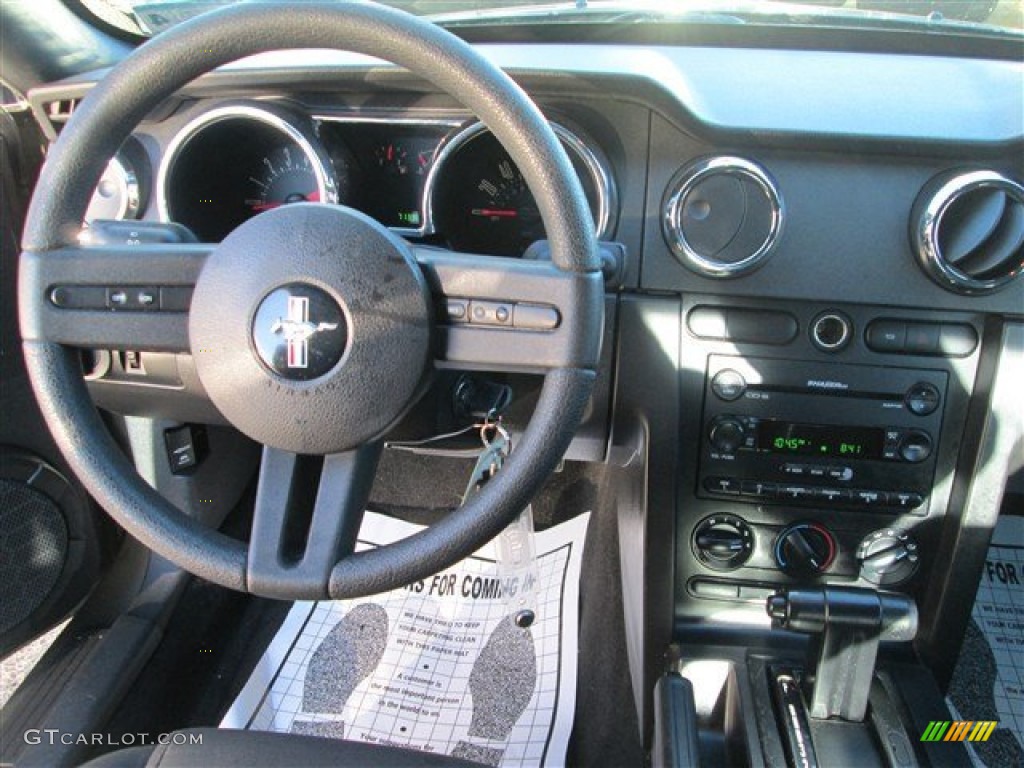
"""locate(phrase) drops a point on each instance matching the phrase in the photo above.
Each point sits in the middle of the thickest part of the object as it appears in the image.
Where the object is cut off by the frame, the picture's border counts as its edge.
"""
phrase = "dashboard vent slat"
(59, 111)
(970, 222)
(968, 231)
(998, 250)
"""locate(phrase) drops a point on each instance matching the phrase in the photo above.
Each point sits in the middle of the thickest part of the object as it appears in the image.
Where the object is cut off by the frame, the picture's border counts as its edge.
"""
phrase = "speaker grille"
(33, 542)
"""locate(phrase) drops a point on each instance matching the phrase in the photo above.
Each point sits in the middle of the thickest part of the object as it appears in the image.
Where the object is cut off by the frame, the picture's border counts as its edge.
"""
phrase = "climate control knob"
(726, 434)
(805, 549)
(723, 542)
(888, 557)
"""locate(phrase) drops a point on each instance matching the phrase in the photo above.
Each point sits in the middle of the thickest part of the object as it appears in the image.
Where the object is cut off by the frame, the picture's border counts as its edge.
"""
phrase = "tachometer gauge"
(236, 161)
(284, 176)
(480, 201)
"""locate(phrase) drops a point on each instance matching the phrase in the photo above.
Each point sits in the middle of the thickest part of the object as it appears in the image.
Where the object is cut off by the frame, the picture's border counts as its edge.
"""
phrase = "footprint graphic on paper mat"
(502, 683)
(346, 657)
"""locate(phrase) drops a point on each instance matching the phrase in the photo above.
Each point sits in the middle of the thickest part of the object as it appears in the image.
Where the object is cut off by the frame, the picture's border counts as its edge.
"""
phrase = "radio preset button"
(870, 498)
(905, 500)
(759, 489)
(832, 495)
(729, 485)
(728, 385)
(795, 492)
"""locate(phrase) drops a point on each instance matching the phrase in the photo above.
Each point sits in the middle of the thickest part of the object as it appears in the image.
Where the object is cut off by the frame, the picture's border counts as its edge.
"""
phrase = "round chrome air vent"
(722, 216)
(967, 230)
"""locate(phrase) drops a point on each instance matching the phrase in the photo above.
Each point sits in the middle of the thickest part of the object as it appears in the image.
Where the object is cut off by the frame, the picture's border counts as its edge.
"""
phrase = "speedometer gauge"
(496, 207)
(481, 203)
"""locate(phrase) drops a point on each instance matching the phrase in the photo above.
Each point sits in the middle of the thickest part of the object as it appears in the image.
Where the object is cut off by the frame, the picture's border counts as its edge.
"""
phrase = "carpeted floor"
(988, 681)
(217, 636)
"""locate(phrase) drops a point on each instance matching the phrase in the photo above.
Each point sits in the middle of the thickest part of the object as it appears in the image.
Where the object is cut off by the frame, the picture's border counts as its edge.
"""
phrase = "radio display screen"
(785, 437)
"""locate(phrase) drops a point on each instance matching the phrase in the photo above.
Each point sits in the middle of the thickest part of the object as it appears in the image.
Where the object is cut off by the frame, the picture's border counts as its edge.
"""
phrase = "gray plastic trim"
(973, 516)
(868, 95)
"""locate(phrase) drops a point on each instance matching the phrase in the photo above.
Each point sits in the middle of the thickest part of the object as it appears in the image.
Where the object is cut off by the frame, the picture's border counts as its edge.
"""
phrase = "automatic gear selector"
(847, 625)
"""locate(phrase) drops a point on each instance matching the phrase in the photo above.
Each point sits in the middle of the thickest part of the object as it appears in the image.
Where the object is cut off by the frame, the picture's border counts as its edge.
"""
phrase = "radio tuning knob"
(805, 549)
(726, 434)
(888, 557)
(916, 446)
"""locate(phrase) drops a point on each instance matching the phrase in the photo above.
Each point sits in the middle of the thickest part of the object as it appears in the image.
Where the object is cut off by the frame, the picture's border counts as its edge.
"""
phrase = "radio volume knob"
(727, 434)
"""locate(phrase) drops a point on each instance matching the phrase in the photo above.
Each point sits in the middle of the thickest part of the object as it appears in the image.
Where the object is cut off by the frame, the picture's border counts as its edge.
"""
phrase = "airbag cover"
(310, 327)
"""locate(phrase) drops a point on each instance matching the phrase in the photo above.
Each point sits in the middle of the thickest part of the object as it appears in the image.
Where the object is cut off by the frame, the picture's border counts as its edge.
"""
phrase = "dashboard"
(441, 178)
(821, 270)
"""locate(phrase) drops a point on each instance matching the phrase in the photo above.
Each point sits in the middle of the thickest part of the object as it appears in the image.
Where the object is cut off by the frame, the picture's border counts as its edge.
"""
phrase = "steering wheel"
(323, 286)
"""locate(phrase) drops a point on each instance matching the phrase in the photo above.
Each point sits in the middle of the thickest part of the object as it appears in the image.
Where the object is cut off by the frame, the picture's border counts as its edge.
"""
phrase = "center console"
(818, 449)
(818, 446)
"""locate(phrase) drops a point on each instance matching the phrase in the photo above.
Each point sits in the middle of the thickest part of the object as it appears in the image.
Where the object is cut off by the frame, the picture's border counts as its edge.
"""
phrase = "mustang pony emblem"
(298, 330)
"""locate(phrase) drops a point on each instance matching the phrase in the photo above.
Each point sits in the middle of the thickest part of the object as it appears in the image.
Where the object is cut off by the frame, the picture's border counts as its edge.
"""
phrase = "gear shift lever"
(847, 624)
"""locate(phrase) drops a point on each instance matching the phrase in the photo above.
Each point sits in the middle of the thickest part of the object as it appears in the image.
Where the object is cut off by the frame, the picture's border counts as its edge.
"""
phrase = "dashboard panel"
(441, 178)
(769, 224)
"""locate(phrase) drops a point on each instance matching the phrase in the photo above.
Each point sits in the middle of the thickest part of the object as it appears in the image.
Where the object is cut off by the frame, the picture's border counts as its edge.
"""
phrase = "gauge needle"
(501, 213)
(312, 197)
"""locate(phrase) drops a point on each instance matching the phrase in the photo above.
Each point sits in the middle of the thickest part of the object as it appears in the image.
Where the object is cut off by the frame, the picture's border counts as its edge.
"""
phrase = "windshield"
(150, 17)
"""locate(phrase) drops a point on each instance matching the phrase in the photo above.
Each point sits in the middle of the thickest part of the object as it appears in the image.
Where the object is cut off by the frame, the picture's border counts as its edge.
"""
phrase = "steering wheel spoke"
(502, 314)
(307, 516)
(112, 297)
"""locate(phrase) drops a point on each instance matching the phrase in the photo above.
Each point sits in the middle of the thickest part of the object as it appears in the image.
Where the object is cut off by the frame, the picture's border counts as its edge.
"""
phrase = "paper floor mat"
(438, 666)
(988, 683)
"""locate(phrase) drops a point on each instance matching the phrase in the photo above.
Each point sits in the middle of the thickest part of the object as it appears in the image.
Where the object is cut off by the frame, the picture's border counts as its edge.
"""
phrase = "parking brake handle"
(847, 624)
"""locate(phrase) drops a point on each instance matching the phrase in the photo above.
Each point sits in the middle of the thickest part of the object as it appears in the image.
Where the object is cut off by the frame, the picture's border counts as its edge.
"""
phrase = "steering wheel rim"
(120, 102)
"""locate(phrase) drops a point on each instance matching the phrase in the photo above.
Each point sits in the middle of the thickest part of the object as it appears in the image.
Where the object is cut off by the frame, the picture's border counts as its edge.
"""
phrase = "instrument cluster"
(443, 181)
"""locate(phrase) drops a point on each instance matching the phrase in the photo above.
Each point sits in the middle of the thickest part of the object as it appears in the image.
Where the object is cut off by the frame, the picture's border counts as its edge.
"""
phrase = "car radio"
(821, 434)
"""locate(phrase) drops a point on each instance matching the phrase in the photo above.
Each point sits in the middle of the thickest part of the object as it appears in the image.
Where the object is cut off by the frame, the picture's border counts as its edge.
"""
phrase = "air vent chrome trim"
(680, 187)
(933, 203)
